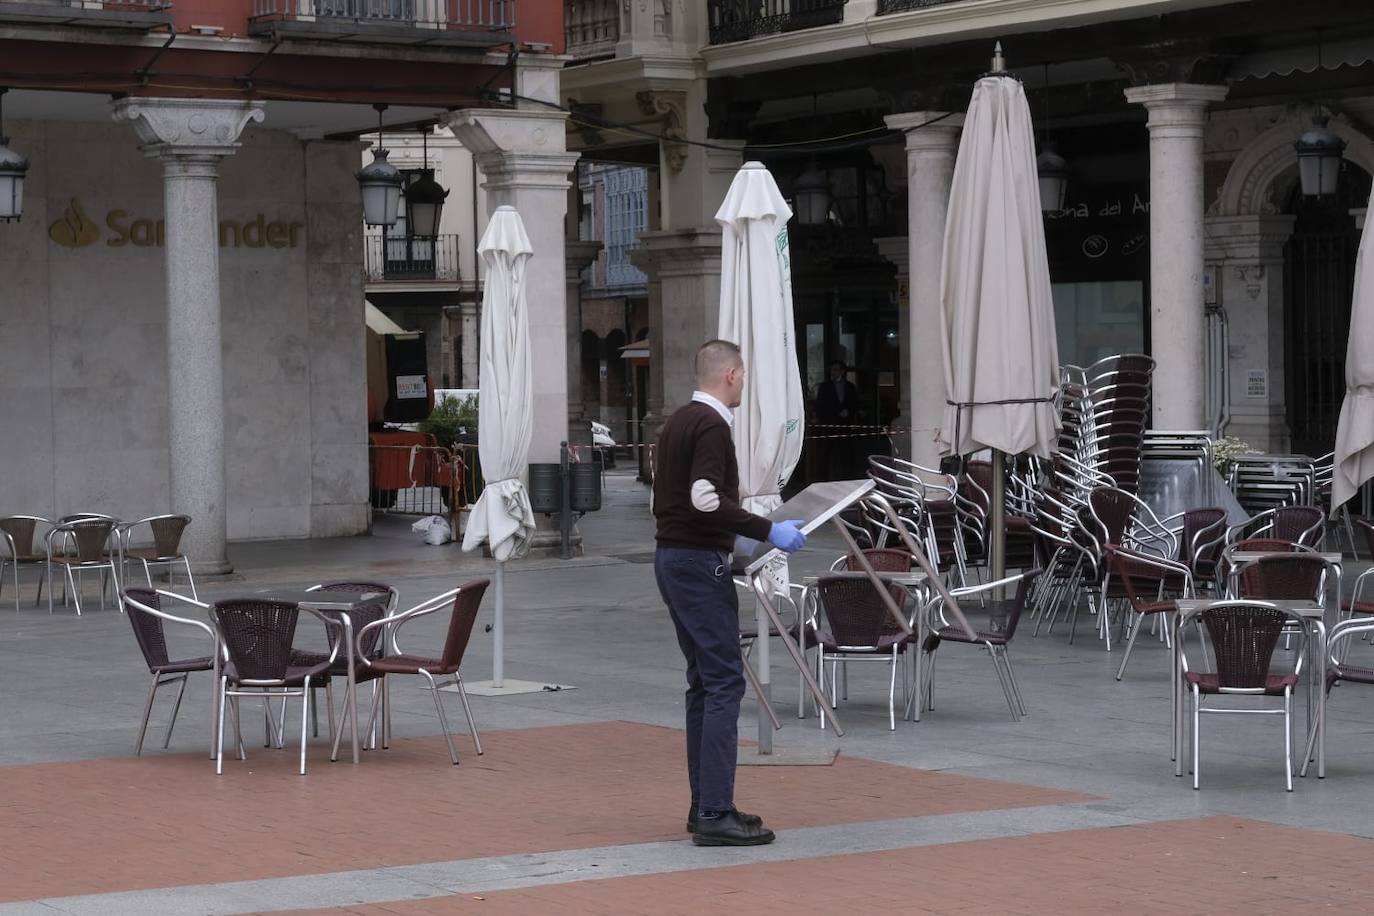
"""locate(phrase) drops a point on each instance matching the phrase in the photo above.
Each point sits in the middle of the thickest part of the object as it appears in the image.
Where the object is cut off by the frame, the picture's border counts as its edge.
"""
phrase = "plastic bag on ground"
(435, 528)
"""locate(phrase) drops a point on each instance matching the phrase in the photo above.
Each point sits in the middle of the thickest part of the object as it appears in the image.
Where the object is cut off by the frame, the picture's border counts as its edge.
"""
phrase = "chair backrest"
(1113, 508)
(1120, 567)
(1368, 530)
(1302, 524)
(364, 614)
(1023, 592)
(1203, 539)
(21, 528)
(147, 627)
(167, 531)
(257, 636)
(856, 612)
(92, 535)
(465, 607)
(1289, 576)
(884, 559)
(1243, 638)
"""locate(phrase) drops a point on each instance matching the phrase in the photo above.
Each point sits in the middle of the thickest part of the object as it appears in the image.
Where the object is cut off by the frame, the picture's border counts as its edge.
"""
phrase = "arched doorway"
(1319, 276)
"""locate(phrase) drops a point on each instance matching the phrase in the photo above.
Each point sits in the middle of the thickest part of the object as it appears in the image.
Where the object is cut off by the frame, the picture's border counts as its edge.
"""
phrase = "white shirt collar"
(715, 404)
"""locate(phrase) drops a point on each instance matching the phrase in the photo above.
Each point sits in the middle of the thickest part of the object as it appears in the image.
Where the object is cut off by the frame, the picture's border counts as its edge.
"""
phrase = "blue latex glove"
(785, 535)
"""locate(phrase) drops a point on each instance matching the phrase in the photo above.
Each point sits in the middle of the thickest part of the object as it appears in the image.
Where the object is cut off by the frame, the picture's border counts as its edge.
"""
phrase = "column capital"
(897, 250)
(515, 148)
(578, 256)
(193, 130)
(1184, 97)
(928, 130)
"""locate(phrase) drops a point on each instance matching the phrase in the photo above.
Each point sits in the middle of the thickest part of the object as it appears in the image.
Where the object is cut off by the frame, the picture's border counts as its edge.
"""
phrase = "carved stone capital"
(1177, 61)
(669, 107)
(193, 129)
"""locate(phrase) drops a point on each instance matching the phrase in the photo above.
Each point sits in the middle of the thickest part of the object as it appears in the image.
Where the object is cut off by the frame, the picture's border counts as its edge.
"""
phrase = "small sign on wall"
(1257, 383)
(410, 386)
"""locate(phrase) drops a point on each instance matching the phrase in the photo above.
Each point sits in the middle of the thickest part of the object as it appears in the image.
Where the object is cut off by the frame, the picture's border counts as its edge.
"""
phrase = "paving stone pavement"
(576, 806)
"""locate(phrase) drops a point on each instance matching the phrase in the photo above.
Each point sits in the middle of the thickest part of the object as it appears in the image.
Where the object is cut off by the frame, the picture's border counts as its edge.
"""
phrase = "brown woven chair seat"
(411, 664)
(295, 675)
(28, 556)
(1357, 607)
(1209, 682)
(826, 640)
(304, 658)
(185, 666)
(1352, 673)
(1003, 608)
(71, 560)
(151, 554)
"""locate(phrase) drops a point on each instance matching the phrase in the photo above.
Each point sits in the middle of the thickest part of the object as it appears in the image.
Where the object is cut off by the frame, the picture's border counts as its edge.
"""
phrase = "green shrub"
(451, 418)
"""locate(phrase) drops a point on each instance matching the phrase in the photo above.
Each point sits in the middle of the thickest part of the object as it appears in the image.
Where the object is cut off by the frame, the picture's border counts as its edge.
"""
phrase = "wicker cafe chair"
(16, 538)
(166, 549)
(467, 601)
(143, 607)
(1138, 569)
(1338, 672)
(883, 560)
(1243, 635)
(1284, 576)
(257, 636)
(858, 626)
(1003, 617)
(79, 544)
(1352, 606)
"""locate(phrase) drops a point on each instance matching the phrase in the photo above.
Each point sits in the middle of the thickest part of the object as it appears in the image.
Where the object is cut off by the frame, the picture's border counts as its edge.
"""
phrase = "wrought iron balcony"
(739, 20)
(904, 6)
(471, 23)
(136, 15)
(592, 27)
(412, 258)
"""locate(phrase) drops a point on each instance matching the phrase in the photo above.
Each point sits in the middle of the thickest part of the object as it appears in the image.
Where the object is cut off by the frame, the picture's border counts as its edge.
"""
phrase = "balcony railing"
(904, 6)
(592, 27)
(476, 23)
(739, 20)
(111, 14)
(412, 258)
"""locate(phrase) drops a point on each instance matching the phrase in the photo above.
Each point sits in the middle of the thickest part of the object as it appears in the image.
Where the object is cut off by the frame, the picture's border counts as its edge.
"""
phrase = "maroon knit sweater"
(695, 445)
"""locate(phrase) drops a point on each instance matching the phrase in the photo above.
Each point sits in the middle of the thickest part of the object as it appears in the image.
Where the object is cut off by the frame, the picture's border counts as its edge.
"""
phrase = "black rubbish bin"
(586, 486)
(546, 488)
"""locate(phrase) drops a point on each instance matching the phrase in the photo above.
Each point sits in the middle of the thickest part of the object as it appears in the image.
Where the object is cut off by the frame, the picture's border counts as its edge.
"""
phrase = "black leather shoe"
(730, 829)
(752, 820)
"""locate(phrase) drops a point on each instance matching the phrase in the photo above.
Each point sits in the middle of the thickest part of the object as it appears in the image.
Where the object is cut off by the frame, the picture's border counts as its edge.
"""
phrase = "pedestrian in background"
(698, 514)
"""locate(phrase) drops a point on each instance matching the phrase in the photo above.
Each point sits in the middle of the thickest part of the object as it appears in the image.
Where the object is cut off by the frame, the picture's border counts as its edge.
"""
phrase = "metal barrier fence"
(416, 479)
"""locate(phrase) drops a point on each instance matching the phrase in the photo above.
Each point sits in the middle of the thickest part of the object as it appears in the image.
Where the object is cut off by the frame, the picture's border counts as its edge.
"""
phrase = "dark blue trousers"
(700, 594)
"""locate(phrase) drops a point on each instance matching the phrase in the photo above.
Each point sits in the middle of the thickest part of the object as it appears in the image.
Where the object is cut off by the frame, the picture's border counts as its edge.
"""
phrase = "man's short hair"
(713, 358)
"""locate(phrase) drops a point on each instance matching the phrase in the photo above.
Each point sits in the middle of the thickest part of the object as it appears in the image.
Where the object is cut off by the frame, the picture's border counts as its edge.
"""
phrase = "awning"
(637, 350)
(378, 323)
(1353, 52)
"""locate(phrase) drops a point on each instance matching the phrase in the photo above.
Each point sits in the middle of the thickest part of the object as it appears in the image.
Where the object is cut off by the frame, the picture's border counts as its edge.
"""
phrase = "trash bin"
(546, 488)
(586, 486)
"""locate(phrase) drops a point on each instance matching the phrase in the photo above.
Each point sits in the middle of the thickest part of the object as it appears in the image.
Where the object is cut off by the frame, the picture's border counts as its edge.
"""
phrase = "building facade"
(181, 326)
(1183, 233)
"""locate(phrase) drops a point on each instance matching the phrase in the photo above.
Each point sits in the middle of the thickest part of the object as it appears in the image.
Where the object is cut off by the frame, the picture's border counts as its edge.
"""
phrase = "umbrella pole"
(998, 519)
(498, 631)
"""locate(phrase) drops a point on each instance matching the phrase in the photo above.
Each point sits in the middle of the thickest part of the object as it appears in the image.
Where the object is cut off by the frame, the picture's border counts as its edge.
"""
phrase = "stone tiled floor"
(1208, 865)
(165, 820)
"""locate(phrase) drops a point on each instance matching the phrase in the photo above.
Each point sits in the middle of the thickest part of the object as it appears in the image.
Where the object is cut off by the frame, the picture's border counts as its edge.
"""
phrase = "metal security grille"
(627, 215)
(1319, 273)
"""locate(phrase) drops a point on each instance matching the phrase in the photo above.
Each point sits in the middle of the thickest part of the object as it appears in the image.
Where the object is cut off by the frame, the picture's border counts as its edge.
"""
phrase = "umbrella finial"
(999, 63)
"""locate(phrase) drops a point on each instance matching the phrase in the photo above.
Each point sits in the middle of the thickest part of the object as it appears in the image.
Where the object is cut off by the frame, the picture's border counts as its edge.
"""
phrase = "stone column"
(1178, 323)
(1247, 255)
(930, 154)
(578, 255)
(470, 350)
(522, 157)
(897, 250)
(191, 136)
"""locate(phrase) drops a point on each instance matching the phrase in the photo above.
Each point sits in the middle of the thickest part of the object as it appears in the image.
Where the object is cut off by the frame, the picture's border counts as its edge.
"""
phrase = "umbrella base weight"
(509, 687)
(781, 757)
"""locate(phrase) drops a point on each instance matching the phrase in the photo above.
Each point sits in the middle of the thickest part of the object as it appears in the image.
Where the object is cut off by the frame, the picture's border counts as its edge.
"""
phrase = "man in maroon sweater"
(696, 505)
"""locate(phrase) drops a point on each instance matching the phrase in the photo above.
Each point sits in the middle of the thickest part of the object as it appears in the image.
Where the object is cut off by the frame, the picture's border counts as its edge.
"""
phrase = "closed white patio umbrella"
(502, 517)
(756, 313)
(1354, 457)
(1001, 358)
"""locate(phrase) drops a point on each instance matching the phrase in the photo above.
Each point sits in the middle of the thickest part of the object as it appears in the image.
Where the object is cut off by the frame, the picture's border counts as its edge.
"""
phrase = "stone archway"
(1245, 234)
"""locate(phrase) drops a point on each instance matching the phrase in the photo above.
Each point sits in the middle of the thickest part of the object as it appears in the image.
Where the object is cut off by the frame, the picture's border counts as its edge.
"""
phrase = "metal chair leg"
(176, 708)
(1288, 737)
(1011, 676)
(147, 711)
(443, 719)
(219, 734)
(1197, 701)
(305, 718)
(467, 709)
(191, 580)
(1130, 644)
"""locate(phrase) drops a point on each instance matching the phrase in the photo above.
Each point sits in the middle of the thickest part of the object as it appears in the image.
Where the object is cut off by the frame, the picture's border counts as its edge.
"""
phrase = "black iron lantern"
(12, 170)
(425, 200)
(380, 183)
(1319, 159)
(811, 195)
